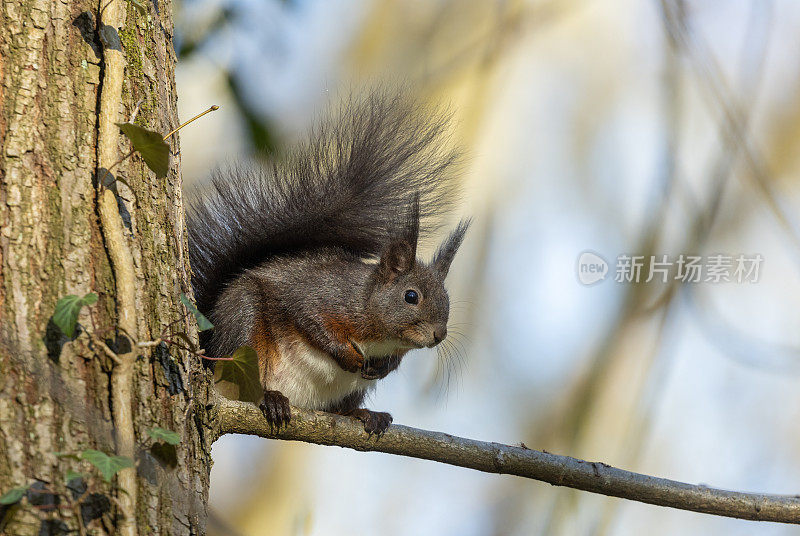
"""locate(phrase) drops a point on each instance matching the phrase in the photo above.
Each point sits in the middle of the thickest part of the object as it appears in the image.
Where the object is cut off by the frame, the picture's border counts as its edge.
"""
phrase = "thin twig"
(76, 510)
(198, 116)
(216, 358)
(112, 166)
(148, 344)
(106, 350)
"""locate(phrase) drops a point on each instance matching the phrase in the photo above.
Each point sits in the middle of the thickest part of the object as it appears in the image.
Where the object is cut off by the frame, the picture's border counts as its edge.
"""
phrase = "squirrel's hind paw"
(275, 407)
(375, 422)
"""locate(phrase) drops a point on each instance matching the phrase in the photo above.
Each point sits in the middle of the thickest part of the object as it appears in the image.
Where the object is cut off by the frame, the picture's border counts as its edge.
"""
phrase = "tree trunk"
(56, 394)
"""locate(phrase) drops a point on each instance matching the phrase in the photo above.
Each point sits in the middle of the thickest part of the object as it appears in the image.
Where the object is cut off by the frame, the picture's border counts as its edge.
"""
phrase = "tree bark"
(55, 393)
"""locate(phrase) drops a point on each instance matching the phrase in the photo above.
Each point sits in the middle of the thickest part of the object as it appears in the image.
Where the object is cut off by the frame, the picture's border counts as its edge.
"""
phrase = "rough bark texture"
(54, 393)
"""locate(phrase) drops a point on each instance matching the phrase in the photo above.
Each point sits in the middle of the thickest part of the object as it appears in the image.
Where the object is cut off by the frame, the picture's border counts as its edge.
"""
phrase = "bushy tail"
(347, 187)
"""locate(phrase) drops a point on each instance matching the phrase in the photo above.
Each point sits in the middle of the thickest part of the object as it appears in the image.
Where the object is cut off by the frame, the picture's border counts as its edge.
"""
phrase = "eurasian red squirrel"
(311, 260)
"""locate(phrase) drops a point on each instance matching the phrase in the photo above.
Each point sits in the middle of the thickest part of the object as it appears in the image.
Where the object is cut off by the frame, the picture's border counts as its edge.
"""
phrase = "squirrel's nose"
(439, 334)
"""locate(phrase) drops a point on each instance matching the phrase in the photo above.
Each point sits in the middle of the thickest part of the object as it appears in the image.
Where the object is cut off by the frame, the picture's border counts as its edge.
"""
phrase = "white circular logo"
(592, 268)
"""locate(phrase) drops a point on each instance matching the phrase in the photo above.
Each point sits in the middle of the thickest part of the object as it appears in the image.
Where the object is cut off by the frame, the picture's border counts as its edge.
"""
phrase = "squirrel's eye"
(412, 297)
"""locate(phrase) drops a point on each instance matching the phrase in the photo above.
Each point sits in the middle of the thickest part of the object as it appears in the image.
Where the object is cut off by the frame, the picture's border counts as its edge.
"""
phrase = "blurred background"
(622, 127)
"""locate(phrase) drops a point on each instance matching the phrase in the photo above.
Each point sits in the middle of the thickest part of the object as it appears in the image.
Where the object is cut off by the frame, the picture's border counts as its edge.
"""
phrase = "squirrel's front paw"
(375, 422)
(275, 408)
(351, 359)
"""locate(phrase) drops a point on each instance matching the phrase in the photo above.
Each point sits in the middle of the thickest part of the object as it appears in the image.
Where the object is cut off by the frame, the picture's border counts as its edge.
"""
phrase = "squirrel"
(311, 260)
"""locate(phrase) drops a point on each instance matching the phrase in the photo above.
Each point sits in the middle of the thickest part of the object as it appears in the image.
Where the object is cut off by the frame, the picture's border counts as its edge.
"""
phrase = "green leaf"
(162, 434)
(243, 371)
(72, 475)
(67, 310)
(14, 495)
(150, 145)
(139, 6)
(107, 465)
(203, 323)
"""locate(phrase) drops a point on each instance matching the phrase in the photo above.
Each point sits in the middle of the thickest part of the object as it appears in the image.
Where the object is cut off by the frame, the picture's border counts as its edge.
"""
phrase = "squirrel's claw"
(375, 422)
(275, 407)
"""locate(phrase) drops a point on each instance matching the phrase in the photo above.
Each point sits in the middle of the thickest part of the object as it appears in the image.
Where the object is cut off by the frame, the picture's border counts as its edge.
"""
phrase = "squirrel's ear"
(398, 258)
(447, 251)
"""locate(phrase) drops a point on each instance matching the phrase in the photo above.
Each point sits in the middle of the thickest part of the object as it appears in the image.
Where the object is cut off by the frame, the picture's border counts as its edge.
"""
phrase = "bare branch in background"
(718, 93)
(328, 429)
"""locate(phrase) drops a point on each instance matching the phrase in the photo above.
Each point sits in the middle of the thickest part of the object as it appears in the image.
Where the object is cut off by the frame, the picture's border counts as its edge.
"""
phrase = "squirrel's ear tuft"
(447, 251)
(401, 254)
(410, 228)
(397, 259)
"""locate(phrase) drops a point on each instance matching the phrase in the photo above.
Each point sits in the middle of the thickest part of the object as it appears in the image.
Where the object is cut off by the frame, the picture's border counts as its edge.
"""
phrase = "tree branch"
(327, 429)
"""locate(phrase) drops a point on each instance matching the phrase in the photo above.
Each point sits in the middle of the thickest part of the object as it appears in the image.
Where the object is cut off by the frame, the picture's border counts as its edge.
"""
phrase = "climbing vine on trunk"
(61, 106)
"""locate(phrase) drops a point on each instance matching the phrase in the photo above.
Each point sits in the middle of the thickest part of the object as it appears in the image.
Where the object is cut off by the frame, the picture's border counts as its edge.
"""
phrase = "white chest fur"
(311, 379)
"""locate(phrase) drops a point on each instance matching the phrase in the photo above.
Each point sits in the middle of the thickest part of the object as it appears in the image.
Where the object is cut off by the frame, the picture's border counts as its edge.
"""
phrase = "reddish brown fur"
(264, 341)
(344, 331)
(341, 328)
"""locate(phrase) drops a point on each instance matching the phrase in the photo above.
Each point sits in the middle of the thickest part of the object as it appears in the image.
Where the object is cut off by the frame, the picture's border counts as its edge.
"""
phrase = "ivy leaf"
(67, 310)
(203, 323)
(150, 145)
(107, 465)
(243, 371)
(14, 495)
(162, 434)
